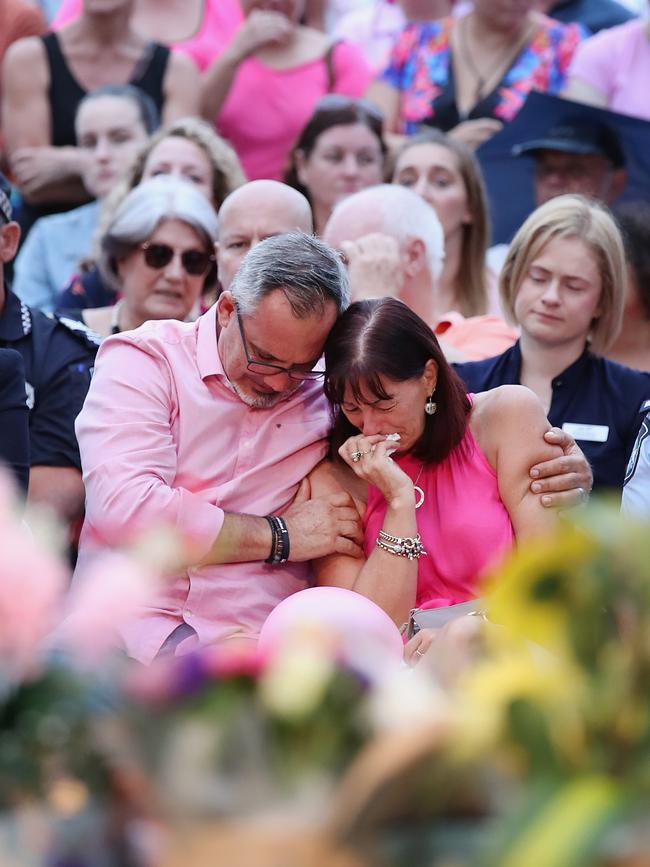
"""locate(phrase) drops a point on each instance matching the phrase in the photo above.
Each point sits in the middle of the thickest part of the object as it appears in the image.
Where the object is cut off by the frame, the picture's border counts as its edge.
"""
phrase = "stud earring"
(430, 406)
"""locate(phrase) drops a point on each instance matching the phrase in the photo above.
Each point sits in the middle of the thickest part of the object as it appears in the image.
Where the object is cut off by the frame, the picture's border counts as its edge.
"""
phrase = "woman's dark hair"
(634, 222)
(334, 109)
(384, 337)
(143, 102)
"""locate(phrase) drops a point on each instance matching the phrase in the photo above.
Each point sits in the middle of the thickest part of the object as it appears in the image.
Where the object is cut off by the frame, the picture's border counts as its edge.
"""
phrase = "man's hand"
(374, 266)
(323, 525)
(565, 481)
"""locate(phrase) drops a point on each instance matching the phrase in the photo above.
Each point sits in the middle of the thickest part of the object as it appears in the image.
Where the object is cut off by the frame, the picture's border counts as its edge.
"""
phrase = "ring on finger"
(418, 652)
(356, 456)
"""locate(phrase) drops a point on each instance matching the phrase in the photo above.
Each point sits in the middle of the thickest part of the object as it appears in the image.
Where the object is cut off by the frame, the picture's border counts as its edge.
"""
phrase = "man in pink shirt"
(205, 426)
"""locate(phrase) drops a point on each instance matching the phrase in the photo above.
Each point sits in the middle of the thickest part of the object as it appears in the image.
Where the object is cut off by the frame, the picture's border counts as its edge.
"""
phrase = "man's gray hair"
(150, 203)
(403, 215)
(308, 271)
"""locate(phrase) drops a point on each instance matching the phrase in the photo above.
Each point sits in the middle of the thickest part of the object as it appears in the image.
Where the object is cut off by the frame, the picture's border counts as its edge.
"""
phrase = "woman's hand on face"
(369, 458)
(260, 29)
(566, 481)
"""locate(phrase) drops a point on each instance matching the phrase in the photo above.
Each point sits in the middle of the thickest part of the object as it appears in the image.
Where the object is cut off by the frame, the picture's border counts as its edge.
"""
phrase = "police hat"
(577, 136)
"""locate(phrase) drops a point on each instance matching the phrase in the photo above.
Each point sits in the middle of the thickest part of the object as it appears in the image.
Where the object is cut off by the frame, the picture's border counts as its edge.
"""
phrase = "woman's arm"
(509, 425)
(387, 98)
(180, 88)
(260, 28)
(42, 172)
(388, 579)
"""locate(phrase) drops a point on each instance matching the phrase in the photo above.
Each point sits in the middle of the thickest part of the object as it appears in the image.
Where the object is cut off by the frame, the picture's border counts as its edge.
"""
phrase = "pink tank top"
(464, 525)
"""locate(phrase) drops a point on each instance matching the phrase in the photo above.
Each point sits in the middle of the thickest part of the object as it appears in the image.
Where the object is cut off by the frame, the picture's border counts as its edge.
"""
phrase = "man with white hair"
(393, 244)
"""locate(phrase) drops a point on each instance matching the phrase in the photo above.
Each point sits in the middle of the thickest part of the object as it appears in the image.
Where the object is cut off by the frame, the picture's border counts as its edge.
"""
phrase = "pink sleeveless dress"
(464, 525)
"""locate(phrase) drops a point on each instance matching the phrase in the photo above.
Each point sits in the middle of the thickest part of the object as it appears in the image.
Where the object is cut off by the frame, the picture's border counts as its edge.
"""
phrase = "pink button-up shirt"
(165, 440)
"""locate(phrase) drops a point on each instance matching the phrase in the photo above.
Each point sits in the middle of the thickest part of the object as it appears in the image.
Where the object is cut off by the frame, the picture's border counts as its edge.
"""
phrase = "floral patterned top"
(420, 68)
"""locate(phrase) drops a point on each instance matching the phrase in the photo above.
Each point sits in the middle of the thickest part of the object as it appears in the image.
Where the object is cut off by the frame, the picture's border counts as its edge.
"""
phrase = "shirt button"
(188, 614)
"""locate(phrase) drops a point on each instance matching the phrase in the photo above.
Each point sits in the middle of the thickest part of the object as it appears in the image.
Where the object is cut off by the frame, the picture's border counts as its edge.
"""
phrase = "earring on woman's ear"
(430, 406)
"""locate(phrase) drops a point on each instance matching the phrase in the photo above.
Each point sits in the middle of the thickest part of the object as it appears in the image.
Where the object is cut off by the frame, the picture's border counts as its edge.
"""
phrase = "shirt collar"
(569, 376)
(16, 319)
(207, 351)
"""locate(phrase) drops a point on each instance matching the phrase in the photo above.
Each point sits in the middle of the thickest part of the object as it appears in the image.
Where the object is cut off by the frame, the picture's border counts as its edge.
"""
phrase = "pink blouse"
(266, 108)
(464, 525)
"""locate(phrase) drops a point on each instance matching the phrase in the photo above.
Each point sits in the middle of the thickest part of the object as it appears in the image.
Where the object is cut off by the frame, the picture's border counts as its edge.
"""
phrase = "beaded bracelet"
(402, 546)
(279, 540)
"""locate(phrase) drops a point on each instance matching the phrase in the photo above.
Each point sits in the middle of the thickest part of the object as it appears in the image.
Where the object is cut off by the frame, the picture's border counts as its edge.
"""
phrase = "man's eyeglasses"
(265, 368)
(195, 262)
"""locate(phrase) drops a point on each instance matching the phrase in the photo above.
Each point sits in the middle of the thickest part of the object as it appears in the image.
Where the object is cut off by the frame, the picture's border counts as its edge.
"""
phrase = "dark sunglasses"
(195, 262)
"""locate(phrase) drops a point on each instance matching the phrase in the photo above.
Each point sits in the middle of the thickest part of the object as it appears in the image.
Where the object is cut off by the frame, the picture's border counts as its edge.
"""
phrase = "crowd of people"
(249, 293)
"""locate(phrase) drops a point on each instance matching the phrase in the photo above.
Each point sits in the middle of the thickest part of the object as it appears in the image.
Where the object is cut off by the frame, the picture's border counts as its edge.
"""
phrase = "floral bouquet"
(558, 708)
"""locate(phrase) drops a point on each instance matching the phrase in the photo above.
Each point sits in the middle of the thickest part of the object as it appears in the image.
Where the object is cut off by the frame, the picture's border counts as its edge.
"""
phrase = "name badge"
(593, 433)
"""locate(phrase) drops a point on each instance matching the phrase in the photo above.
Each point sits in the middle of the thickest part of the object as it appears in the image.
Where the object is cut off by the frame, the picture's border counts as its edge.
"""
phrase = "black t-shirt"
(58, 355)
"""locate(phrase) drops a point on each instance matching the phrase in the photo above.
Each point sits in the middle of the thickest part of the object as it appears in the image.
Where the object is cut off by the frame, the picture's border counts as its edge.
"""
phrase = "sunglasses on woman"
(195, 262)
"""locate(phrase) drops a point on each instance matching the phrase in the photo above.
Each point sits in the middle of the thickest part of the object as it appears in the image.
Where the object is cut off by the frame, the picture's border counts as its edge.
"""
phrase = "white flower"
(406, 698)
(295, 682)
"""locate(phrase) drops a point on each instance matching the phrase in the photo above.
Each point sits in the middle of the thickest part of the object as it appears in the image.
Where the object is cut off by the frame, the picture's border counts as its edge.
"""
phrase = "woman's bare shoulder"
(499, 413)
(488, 405)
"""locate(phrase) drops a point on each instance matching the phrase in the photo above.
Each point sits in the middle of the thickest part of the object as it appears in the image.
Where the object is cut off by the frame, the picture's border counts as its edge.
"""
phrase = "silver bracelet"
(402, 546)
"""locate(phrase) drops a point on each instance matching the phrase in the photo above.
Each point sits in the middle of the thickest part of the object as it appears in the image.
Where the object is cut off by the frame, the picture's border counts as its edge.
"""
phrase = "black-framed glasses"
(157, 256)
(265, 368)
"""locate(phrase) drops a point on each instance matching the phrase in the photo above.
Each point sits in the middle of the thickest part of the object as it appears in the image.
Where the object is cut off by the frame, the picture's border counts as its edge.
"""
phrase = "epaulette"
(80, 330)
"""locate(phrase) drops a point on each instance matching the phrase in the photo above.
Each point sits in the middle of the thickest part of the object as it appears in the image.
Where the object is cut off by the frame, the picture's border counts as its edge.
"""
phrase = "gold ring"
(418, 652)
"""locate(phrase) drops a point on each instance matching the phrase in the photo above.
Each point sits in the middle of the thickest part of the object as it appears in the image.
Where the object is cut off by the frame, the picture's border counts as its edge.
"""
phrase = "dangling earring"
(430, 406)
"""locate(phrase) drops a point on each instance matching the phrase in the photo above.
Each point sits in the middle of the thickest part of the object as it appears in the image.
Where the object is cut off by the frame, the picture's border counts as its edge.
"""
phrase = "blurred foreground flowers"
(320, 748)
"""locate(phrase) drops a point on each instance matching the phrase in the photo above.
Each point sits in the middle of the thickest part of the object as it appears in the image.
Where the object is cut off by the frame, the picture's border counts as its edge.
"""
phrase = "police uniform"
(14, 416)
(58, 356)
(597, 401)
(636, 491)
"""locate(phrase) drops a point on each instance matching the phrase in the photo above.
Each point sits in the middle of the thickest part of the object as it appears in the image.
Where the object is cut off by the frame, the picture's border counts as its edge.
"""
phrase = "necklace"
(502, 60)
(419, 493)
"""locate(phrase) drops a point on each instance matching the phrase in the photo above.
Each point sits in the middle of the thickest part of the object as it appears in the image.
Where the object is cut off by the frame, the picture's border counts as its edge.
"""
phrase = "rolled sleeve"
(129, 452)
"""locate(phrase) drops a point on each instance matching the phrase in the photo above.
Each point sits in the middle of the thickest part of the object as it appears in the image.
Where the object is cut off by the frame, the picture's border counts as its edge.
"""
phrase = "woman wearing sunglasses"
(158, 253)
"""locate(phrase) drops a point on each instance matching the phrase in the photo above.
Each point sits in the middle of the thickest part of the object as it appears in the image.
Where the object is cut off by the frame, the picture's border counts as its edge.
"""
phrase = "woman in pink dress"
(441, 477)
(263, 86)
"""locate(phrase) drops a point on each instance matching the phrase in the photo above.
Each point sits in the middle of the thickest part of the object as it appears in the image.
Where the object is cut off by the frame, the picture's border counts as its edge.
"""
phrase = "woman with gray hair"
(158, 254)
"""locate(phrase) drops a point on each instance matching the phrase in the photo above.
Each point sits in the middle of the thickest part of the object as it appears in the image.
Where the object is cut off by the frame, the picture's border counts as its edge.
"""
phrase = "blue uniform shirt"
(14, 416)
(636, 493)
(599, 402)
(58, 356)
